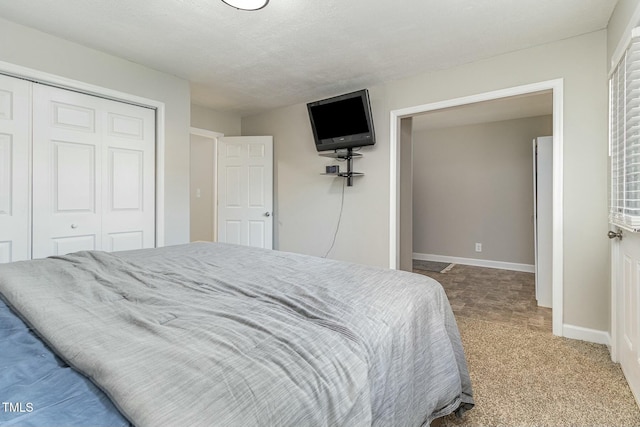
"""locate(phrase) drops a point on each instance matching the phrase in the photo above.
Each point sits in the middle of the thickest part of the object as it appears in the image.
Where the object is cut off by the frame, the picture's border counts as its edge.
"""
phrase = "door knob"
(267, 214)
(74, 225)
(614, 234)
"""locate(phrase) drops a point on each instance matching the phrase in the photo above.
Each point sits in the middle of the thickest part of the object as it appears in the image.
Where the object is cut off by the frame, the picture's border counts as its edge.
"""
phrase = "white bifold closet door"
(93, 173)
(15, 126)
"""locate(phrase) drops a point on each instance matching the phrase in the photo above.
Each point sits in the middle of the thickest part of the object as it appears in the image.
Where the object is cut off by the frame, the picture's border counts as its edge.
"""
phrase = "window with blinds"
(624, 138)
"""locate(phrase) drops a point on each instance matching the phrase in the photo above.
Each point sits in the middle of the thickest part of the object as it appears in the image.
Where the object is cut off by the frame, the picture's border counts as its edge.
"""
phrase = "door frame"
(42, 77)
(213, 136)
(557, 87)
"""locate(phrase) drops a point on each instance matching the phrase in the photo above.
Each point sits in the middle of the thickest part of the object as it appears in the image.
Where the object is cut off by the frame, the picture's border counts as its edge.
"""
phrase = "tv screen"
(342, 122)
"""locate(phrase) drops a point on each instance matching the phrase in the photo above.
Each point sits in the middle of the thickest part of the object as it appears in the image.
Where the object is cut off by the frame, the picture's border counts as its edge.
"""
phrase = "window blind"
(624, 138)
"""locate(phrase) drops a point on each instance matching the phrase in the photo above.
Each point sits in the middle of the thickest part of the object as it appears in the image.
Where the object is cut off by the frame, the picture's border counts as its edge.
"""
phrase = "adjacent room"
(268, 212)
(476, 203)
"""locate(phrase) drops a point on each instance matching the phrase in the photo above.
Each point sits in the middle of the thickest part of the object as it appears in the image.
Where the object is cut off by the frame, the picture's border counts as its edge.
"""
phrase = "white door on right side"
(245, 190)
(624, 212)
(625, 263)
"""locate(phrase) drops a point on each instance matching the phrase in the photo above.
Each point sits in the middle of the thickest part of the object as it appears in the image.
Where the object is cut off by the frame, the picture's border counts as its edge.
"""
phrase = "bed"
(211, 334)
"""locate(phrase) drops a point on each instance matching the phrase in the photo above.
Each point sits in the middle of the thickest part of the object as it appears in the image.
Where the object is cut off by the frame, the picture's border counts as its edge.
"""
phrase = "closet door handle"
(74, 226)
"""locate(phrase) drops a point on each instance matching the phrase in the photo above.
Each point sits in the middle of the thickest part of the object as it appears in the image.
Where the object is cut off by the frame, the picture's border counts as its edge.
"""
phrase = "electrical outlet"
(478, 247)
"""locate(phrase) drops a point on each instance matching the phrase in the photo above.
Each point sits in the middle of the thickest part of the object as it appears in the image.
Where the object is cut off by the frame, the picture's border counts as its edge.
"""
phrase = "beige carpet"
(523, 377)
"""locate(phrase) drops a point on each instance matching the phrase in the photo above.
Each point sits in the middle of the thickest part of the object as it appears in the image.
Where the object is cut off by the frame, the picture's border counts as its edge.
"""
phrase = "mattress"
(223, 335)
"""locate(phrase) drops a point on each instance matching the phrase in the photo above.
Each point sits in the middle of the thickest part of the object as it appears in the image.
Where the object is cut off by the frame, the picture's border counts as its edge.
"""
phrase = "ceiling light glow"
(247, 4)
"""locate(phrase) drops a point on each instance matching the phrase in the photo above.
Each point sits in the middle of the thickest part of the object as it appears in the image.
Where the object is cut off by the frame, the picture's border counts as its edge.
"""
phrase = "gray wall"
(475, 184)
(618, 23)
(205, 118)
(307, 202)
(39, 51)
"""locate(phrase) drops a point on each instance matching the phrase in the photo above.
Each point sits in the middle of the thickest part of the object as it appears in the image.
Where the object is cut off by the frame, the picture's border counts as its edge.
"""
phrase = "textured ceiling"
(299, 50)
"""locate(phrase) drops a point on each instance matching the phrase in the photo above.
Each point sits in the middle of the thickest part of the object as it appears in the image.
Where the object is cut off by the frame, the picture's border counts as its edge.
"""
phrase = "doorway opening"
(203, 185)
(400, 202)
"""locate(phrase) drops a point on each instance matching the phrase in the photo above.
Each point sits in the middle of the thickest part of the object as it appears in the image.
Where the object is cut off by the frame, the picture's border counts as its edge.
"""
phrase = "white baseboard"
(527, 268)
(586, 334)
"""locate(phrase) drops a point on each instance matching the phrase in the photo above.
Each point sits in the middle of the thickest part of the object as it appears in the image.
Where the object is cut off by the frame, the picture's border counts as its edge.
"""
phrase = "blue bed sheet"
(39, 389)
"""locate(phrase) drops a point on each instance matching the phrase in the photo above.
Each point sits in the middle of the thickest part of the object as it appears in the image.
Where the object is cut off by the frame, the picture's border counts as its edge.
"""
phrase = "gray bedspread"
(221, 335)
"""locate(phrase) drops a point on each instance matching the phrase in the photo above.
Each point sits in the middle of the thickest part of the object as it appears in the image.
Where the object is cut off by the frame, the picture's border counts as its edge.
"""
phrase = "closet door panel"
(94, 173)
(15, 125)
(67, 170)
(74, 177)
(129, 185)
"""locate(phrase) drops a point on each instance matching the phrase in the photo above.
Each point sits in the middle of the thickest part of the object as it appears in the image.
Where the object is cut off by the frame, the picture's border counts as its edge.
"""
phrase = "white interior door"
(15, 124)
(543, 217)
(626, 294)
(93, 173)
(128, 180)
(245, 190)
(67, 166)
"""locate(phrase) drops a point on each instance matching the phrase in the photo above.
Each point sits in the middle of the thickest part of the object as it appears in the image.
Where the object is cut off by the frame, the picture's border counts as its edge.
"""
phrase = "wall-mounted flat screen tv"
(343, 121)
